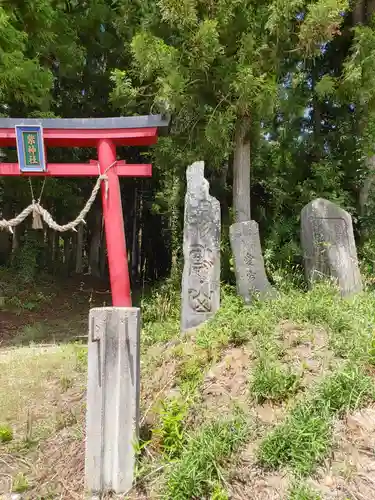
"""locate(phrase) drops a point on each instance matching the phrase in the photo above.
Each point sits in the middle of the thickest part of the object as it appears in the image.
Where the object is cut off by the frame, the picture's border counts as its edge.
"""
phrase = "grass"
(30, 385)
(304, 439)
(181, 457)
(6, 433)
(273, 381)
(300, 491)
(202, 463)
(170, 431)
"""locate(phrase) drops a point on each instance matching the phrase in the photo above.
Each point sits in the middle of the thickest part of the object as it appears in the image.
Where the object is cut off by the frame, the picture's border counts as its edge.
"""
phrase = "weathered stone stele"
(249, 268)
(202, 229)
(328, 245)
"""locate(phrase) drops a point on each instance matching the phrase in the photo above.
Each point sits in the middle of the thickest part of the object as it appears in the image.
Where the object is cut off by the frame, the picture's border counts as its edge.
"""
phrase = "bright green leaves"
(152, 55)
(281, 13)
(21, 79)
(179, 13)
(322, 23)
(205, 45)
(359, 69)
(123, 92)
(253, 91)
(170, 94)
(325, 87)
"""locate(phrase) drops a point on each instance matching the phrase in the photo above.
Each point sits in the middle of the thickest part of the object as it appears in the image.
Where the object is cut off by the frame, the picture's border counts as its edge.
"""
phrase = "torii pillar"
(113, 347)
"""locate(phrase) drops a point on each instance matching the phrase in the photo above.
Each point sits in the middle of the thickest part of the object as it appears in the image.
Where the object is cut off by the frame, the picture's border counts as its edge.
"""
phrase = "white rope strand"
(38, 210)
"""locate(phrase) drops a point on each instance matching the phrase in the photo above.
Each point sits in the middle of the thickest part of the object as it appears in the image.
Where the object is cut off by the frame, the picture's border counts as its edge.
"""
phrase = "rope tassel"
(37, 219)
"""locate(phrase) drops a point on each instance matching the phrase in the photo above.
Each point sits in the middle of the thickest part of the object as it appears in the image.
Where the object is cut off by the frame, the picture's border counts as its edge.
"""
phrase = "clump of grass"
(20, 483)
(305, 437)
(300, 442)
(347, 389)
(219, 493)
(171, 432)
(301, 491)
(81, 353)
(191, 372)
(202, 464)
(273, 381)
(372, 350)
(66, 382)
(36, 332)
(6, 433)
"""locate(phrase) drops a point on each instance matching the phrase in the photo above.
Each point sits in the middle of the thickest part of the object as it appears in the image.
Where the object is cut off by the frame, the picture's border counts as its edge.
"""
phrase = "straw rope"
(40, 213)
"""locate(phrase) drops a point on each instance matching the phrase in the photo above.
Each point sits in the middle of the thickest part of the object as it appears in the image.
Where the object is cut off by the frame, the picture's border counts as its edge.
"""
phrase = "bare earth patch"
(307, 351)
(350, 473)
(226, 383)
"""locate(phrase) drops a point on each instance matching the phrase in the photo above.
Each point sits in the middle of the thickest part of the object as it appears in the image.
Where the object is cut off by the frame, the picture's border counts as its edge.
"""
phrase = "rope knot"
(37, 219)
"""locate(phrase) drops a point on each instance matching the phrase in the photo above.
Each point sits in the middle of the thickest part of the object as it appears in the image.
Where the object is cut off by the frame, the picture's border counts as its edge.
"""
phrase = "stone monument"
(328, 245)
(249, 268)
(202, 232)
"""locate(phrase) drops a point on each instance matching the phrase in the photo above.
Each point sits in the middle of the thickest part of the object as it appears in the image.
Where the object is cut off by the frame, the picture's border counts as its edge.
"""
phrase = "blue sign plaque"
(30, 148)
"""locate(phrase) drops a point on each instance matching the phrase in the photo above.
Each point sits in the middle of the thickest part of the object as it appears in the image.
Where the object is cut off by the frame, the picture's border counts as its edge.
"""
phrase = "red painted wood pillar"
(114, 227)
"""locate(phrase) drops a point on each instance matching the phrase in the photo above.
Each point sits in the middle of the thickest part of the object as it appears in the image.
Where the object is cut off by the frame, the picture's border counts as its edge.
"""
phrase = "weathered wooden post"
(112, 398)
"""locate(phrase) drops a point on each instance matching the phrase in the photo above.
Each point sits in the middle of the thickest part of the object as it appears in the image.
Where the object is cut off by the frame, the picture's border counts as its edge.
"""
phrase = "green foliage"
(202, 463)
(20, 483)
(322, 23)
(304, 438)
(219, 493)
(6, 433)
(26, 261)
(300, 491)
(170, 431)
(301, 442)
(190, 373)
(273, 381)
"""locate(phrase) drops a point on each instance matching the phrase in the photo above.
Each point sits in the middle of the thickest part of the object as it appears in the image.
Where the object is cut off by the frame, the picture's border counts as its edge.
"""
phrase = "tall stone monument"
(202, 232)
(249, 268)
(328, 245)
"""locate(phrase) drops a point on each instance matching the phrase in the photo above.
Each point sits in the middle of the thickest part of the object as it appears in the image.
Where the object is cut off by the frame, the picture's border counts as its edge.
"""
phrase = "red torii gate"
(34, 136)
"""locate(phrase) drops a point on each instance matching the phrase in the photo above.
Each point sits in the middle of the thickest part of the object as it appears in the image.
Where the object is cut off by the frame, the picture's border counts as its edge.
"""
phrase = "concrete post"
(112, 398)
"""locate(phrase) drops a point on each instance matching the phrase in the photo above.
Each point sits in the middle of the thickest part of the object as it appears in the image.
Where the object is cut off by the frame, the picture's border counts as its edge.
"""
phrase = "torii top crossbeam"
(34, 136)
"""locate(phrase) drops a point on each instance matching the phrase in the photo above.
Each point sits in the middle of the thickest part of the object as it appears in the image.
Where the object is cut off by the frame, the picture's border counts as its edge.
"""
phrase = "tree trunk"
(362, 13)
(5, 238)
(94, 254)
(359, 12)
(103, 256)
(79, 249)
(134, 254)
(241, 170)
(67, 252)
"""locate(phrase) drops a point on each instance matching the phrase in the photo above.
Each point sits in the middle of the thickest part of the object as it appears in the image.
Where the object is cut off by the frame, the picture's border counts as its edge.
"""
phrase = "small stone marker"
(329, 247)
(112, 398)
(202, 232)
(249, 268)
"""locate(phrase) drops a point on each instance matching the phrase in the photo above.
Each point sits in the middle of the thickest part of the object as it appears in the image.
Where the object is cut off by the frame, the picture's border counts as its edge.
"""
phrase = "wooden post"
(112, 398)
(114, 227)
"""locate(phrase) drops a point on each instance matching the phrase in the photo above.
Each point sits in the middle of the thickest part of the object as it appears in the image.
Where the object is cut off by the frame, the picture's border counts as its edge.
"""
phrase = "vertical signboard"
(30, 148)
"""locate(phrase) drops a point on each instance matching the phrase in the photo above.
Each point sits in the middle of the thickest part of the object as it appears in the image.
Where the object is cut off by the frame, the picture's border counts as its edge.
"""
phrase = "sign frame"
(25, 165)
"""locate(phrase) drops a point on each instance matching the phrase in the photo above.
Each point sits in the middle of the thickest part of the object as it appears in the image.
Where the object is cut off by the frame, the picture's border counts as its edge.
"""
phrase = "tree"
(218, 67)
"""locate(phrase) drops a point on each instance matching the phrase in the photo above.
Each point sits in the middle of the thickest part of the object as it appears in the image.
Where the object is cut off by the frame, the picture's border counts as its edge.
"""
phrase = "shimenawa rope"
(41, 213)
